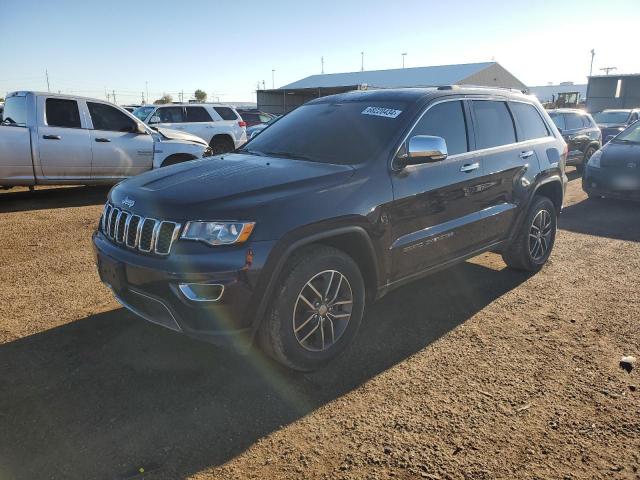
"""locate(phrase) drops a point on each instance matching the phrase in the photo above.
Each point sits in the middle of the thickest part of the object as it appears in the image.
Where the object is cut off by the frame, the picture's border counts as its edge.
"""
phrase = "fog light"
(202, 292)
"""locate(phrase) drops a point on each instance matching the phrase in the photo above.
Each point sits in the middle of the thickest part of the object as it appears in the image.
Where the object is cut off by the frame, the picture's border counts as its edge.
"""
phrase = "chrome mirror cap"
(426, 148)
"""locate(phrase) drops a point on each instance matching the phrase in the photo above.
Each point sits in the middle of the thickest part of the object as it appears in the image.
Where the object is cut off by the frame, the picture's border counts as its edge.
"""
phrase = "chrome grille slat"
(147, 235)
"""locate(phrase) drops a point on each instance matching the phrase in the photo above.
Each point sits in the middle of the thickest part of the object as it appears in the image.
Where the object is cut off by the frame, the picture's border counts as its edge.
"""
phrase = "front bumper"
(149, 286)
(611, 182)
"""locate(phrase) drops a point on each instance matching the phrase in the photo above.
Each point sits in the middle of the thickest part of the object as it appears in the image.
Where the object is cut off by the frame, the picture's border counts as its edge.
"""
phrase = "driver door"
(436, 204)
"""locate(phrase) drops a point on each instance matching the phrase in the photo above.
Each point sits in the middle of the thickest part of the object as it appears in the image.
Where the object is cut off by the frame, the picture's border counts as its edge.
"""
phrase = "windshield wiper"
(293, 156)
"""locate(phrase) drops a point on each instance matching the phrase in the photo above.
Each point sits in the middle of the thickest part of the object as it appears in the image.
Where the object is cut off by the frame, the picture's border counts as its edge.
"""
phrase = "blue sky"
(225, 48)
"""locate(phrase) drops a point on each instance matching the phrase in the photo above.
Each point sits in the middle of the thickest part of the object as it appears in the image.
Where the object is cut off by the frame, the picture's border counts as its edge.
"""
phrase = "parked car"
(256, 129)
(614, 170)
(254, 117)
(219, 125)
(612, 122)
(581, 133)
(337, 203)
(48, 138)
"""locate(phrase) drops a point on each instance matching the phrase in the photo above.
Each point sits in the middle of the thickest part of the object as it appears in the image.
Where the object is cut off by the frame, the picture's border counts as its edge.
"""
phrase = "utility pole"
(273, 78)
(263, 85)
(362, 61)
(258, 87)
(322, 65)
(46, 73)
(113, 92)
(593, 54)
(606, 70)
(403, 55)
(142, 98)
(146, 87)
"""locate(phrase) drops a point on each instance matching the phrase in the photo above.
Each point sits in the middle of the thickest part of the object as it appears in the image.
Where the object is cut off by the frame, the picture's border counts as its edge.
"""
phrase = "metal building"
(283, 100)
(613, 91)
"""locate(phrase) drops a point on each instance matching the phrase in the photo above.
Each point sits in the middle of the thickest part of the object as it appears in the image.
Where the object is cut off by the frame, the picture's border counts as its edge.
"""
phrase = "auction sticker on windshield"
(381, 112)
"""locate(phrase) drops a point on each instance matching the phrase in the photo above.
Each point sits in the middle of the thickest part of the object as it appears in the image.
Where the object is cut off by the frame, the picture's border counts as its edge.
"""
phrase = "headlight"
(594, 160)
(218, 233)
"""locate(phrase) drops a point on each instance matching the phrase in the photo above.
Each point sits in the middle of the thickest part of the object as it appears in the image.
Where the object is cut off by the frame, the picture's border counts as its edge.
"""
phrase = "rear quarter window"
(529, 121)
(226, 113)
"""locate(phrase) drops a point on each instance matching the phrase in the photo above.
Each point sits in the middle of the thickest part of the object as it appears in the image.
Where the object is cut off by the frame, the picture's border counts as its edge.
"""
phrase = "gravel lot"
(474, 373)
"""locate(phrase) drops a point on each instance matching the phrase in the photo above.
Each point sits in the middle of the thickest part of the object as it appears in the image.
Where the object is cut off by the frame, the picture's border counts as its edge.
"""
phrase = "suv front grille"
(146, 235)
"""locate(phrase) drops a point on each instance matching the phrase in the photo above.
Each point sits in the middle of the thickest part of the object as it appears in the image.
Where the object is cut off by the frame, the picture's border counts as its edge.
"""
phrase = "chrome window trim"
(471, 153)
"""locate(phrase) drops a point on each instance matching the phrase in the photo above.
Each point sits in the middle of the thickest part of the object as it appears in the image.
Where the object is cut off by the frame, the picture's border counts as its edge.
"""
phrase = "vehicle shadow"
(47, 198)
(105, 395)
(604, 218)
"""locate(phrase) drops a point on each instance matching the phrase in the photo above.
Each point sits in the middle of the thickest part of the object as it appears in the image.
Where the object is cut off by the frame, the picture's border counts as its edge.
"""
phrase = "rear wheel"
(221, 144)
(317, 309)
(587, 155)
(531, 249)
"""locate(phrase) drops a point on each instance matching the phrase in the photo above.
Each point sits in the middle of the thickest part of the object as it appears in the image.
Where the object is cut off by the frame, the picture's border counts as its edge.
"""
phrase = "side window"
(529, 120)
(250, 117)
(572, 121)
(634, 117)
(105, 117)
(226, 113)
(170, 114)
(445, 120)
(558, 119)
(15, 111)
(494, 125)
(264, 118)
(62, 113)
(198, 114)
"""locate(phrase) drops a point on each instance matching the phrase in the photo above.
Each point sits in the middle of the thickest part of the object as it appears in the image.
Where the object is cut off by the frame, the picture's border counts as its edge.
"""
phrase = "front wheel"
(532, 247)
(587, 155)
(317, 309)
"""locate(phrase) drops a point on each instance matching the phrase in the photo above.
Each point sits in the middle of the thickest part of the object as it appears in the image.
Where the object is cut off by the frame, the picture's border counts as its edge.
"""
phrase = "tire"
(587, 155)
(530, 251)
(297, 330)
(221, 145)
(175, 159)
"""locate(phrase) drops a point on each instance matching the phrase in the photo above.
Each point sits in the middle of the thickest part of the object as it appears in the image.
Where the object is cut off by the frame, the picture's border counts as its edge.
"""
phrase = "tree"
(1, 99)
(166, 98)
(200, 95)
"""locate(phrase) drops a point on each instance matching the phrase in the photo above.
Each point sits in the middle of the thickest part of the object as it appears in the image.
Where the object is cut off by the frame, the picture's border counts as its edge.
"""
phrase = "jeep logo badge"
(127, 202)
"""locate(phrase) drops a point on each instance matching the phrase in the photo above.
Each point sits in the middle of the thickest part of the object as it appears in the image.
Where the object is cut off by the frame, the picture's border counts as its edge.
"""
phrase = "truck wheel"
(531, 249)
(317, 309)
(221, 145)
(175, 159)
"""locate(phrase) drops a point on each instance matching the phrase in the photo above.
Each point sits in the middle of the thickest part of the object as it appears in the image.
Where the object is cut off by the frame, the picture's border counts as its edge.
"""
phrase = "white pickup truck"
(53, 139)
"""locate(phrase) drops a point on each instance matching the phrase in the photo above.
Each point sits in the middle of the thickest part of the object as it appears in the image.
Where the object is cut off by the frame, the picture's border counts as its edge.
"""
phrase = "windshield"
(631, 134)
(341, 133)
(15, 111)
(611, 117)
(143, 112)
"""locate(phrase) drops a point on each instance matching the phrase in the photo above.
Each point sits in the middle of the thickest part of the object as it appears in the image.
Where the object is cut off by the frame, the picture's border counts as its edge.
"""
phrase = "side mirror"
(424, 149)
(139, 128)
(154, 119)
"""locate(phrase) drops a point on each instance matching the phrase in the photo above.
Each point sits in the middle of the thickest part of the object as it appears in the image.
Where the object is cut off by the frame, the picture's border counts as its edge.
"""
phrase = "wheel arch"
(223, 137)
(552, 189)
(353, 240)
(175, 158)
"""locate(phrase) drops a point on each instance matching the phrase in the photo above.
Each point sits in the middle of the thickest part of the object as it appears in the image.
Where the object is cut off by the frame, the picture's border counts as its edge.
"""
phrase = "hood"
(181, 136)
(224, 185)
(621, 155)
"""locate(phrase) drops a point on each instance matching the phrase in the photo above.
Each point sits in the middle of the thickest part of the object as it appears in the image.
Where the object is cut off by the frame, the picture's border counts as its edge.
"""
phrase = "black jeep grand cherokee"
(337, 203)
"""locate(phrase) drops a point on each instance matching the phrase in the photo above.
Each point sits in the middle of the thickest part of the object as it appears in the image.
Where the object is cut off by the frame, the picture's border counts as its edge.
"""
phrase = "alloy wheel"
(540, 235)
(322, 310)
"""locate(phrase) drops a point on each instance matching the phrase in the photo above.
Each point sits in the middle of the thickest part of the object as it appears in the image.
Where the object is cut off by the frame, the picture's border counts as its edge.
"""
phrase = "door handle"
(526, 154)
(470, 167)
(102, 140)
(52, 137)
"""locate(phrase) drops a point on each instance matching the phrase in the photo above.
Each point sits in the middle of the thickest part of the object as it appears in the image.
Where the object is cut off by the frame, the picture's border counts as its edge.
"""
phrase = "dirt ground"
(477, 372)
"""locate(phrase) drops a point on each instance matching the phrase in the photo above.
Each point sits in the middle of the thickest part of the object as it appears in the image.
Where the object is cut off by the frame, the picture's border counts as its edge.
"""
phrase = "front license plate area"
(112, 273)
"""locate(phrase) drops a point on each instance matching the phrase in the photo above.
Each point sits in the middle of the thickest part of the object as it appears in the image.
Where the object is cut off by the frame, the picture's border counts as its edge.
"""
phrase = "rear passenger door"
(199, 123)
(436, 204)
(63, 139)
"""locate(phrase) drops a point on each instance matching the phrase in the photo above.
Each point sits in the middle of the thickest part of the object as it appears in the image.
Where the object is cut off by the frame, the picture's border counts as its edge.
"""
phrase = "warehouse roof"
(400, 77)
